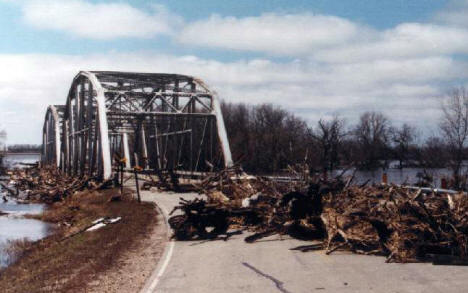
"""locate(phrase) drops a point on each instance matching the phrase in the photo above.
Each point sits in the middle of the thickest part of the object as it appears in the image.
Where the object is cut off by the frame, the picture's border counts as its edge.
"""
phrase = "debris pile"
(404, 225)
(236, 187)
(200, 219)
(47, 184)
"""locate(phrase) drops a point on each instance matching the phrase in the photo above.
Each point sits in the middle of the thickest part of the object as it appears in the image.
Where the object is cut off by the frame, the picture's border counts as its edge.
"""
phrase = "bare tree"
(402, 138)
(328, 135)
(433, 153)
(454, 126)
(372, 135)
(237, 118)
(265, 138)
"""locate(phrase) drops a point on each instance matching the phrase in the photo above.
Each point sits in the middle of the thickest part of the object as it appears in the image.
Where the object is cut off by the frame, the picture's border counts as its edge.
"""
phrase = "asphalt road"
(270, 266)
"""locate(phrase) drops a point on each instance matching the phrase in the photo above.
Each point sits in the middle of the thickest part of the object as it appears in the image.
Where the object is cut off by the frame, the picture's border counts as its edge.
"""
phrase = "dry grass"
(62, 264)
(16, 248)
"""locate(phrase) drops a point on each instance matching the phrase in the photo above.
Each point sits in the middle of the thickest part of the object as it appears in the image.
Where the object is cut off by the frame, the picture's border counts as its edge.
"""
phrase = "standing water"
(13, 225)
(405, 176)
(13, 160)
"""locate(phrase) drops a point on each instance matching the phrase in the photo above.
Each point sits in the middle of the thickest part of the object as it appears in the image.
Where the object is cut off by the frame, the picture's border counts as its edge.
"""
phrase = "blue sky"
(316, 58)
(22, 38)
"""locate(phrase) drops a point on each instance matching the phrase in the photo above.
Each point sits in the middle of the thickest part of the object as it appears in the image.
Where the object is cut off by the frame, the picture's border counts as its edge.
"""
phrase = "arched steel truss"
(159, 122)
(51, 133)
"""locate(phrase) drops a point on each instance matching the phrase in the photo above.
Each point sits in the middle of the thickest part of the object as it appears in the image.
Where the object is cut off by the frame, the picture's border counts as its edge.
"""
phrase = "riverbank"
(117, 256)
(15, 227)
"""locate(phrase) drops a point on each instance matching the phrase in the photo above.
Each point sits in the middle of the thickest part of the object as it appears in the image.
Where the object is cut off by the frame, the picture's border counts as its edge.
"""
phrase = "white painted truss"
(160, 122)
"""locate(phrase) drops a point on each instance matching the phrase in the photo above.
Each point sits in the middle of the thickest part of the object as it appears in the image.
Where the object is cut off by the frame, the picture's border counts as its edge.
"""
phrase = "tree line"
(25, 148)
(267, 138)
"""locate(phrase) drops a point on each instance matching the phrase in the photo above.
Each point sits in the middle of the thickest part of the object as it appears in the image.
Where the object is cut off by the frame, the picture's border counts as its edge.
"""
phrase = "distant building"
(3, 141)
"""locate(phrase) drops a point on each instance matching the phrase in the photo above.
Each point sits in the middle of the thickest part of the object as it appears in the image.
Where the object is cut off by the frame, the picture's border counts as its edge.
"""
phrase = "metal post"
(144, 147)
(121, 177)
(136, 183)
(222, 134)
(126, 150)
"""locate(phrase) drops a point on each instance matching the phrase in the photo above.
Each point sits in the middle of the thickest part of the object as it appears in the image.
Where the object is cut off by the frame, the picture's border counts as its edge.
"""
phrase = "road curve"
(270, 266)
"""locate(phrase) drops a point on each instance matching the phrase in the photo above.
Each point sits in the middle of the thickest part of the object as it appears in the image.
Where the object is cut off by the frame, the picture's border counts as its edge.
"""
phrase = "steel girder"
(156, 121)
(51, 133)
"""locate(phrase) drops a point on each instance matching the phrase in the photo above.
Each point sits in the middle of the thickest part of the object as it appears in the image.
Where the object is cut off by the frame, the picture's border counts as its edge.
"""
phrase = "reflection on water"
(13, 226)
(408, 176)
(18, 209)
(15, 160)
(17, 229)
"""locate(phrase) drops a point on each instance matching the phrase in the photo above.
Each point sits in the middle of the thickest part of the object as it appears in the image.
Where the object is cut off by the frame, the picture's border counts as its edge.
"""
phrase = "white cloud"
(455, 13)
(289, 34)
(324, 38)
(98, 20)
(327, 38)
(408, 90)
(407, 40)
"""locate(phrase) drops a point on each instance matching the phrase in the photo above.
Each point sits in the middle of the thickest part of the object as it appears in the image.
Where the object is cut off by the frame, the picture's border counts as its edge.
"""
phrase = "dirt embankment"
(116, 258)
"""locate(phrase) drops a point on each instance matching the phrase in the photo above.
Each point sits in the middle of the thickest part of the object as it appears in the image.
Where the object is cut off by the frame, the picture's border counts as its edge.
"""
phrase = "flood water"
(407, 176)
(15, 160)
(13, 226)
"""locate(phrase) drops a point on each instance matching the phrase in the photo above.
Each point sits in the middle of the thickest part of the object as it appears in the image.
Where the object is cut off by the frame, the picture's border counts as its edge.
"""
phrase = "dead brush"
(15, 249)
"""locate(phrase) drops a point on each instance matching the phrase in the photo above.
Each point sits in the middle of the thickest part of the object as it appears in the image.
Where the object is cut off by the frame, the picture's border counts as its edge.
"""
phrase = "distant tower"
(3, 140)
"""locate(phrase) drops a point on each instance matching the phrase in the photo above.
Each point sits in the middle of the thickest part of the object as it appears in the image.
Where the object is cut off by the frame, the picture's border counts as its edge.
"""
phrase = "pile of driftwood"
(233, 185)
(404, 225)
(47, 184)
(401, 224)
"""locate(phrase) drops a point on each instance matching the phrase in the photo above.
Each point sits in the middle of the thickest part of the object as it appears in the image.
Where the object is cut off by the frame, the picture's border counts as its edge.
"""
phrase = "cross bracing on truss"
(152, 120)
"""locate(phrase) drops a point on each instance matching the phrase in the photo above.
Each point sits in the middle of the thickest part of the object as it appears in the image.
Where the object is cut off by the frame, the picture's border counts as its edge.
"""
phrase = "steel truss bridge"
(158, 122)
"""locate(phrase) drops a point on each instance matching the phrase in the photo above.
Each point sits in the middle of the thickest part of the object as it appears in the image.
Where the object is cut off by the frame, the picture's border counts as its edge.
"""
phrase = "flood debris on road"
(402, 224)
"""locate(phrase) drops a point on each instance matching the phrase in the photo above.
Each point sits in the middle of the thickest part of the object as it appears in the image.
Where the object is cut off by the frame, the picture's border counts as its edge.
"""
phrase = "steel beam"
(51, 136)
(127, 158)
(166, 120)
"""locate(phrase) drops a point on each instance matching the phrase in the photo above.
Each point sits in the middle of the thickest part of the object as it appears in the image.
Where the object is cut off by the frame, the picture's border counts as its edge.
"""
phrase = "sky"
(315, 58)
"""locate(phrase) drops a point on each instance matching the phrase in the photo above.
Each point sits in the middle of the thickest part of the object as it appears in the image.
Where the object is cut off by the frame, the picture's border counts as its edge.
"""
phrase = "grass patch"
(66, 263)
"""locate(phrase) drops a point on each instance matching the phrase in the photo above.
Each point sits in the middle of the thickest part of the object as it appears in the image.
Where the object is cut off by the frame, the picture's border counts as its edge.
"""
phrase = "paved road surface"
(269, 266)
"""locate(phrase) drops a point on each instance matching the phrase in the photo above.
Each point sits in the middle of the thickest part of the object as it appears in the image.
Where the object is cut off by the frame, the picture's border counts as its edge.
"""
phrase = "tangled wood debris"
(48, 184)
(168, 181)
(404, 225)
(235, 186)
